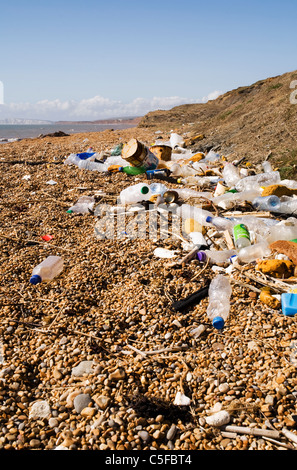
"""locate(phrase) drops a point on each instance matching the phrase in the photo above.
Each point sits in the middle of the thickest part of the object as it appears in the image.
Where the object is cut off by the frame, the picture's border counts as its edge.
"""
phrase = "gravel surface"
(94, 360)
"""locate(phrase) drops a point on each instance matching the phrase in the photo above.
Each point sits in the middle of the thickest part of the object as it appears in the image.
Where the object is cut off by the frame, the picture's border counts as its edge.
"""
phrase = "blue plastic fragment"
(289, 304)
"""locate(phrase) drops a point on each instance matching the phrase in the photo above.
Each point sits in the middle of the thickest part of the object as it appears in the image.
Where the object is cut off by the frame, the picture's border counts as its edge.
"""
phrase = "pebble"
(40, 409)
(81, 401)
(99, 393)
(84, 367)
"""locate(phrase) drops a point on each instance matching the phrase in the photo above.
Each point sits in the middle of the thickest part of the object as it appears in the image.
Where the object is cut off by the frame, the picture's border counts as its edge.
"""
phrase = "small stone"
(102, 401)
(53, 422)
(81, 401)
(218, 419)
(118, 374)
(88, 412)
(84, 367)
(39, 410)
(224, 387)
(35, 443)
(171, 433)
(144, 435)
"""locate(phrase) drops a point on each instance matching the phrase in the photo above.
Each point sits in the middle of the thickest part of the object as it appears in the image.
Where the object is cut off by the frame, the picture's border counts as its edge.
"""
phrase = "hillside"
(252, 121)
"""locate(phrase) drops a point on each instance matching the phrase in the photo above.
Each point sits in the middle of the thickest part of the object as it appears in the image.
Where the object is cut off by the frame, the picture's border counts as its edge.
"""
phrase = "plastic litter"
(47, 270)
(219, 301)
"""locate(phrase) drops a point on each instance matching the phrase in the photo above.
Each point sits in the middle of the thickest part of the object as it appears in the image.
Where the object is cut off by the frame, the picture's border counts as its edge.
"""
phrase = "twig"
(201, 270)
(279, 443)
(252, 431)
(158, 351)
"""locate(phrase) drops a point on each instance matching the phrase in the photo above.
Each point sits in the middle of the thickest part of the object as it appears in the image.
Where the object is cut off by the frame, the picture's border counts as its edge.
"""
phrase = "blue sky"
(95, 59)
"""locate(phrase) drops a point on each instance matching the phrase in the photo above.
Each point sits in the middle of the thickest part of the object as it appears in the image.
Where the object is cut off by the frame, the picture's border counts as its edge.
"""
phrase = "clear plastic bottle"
(221, 223)
(267, 203)
(267, 166)
(83, 205)
(186, 211)
(219, 294)
(47, 269)
(182, 170)
(137, 193)
(241, 236)
(257, 181)
(220, 257)
(231, 174)
(253, 252)
(282, 231)
(158, 188)
(288, 206)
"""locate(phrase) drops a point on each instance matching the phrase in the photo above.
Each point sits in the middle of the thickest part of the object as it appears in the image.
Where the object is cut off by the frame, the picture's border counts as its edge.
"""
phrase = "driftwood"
(252, 431)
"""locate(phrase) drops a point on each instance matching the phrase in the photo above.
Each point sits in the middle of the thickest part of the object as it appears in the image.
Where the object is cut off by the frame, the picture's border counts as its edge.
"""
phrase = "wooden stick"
(279, 443)
(252, 431)
(289, 435)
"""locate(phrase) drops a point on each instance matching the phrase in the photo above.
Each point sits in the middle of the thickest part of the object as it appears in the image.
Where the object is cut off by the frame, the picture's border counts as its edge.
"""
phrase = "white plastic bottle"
(231, 175)
(158, 188)
(253, 252)
(47, 269)
(137, 193)
(219, 294)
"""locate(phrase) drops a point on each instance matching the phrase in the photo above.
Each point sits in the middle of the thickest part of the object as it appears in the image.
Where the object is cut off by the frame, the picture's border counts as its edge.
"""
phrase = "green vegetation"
(226, 114)
(274, 87)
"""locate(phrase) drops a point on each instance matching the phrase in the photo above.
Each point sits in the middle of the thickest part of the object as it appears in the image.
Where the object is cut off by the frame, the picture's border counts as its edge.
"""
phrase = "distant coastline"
(134, 120)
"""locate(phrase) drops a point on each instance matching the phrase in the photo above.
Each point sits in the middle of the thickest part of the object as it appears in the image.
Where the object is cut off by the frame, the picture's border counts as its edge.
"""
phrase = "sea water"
(11, 132)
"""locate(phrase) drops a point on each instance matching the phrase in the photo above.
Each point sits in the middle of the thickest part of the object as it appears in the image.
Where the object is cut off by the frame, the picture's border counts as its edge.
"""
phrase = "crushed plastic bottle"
(267, 203)
(257, 181)
(251, 253)
(231, 175)
(47, 270)
(84, 205)
(219, 294)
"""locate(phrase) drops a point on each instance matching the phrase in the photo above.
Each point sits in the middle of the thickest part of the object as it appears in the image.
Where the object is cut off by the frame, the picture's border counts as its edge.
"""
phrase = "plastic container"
(132, 170)
(186, 211)
(158, 188)
(162, 152)
(231, 175)
(182, 170)
(219, 294)
(267, 203)
(289, 304)
(220, 257)
(83, 205)
(282, 232)
(288, 207)
(241, 236)
(253, 252)
(220, 223)
(161, 173)
(47, 270)
(267, 166)
(137, 193)
(257, 181)
(176, 140)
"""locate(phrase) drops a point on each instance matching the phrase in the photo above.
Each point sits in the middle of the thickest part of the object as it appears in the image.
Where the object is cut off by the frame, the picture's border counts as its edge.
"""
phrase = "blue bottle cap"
(208, 218)
(35, 279)
(218, 323)
(121, 168)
